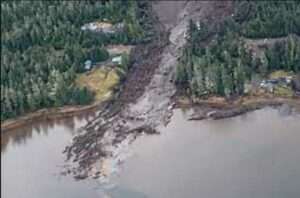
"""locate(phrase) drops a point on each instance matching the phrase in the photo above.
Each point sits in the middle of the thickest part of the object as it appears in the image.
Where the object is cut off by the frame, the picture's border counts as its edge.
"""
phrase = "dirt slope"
(97, 143)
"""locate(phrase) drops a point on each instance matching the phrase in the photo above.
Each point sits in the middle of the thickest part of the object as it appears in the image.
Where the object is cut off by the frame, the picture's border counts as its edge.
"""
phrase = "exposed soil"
(144, 102)
(145, 59)
(119, 49)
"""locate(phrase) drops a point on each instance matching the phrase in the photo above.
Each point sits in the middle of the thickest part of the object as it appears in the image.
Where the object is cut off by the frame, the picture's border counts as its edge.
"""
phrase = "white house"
(104, 27)
(87, 64)
(117, 60)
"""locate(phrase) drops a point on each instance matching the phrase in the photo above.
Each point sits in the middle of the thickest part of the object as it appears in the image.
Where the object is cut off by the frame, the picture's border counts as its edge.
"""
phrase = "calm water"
(254, 155)
(31, 160)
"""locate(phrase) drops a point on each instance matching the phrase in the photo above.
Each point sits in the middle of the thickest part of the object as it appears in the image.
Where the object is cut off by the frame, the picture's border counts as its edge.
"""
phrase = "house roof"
(88, 62)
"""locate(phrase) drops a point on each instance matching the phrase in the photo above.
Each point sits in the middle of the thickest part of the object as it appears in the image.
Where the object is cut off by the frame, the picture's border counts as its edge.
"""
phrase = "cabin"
(117, 60)
(270, 84)
(88, 65)
(104, 27)
(98, 27)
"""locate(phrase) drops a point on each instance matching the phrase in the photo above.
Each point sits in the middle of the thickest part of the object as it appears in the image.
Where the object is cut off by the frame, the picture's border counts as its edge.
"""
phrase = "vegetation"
(100, 80)
(261, 19)
(43, 47)
(224, 65)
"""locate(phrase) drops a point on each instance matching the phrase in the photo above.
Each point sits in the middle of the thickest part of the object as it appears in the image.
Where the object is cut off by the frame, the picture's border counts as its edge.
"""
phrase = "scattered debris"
(147, 92)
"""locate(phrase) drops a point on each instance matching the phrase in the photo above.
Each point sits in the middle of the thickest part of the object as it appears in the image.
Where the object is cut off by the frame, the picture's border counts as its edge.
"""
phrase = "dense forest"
(224, 65)
(43, 47)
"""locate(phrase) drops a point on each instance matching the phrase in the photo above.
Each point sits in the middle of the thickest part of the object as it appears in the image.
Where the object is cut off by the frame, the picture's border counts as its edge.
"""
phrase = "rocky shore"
(208, 109)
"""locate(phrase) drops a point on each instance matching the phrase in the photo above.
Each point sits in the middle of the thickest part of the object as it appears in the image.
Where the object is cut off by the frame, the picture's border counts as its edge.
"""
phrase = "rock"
(211, 114)
(81, 175)
(197, 117)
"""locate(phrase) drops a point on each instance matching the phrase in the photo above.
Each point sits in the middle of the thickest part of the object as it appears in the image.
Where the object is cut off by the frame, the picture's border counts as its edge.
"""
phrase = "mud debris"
(145, 99)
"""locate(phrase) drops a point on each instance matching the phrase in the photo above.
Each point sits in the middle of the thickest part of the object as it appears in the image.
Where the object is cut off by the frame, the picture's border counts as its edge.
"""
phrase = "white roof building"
(104, 27)
(117, 60)
(87, 64)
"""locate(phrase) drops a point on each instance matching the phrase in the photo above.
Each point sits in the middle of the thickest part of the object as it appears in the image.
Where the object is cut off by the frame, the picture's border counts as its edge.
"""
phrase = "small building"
(268, 85)
(285, 80)
(104, 27)
(117, 60)
(119, 27)
(88, 65)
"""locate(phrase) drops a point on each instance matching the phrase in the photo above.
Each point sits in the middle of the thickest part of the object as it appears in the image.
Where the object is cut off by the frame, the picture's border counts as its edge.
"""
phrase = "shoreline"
(222, 109)
(45, 114)
(209, 108)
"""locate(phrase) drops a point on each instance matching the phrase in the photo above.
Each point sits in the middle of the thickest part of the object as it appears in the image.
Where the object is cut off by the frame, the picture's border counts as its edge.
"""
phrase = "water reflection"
(32, 159)
(21, 135)
(253, 155)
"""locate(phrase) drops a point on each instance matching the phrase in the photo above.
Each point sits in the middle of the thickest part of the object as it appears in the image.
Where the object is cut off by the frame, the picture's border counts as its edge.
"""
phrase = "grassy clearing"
(283, 91)
(101, 81)
(279, 74)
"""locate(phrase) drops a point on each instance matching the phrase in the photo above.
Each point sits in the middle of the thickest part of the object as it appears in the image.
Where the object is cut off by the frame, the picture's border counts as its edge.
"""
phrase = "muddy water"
(31, 162)
(254, 155)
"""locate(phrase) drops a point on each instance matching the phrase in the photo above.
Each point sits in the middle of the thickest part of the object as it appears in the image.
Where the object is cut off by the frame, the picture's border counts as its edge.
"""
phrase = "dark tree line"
(261, 19)
(43, 47)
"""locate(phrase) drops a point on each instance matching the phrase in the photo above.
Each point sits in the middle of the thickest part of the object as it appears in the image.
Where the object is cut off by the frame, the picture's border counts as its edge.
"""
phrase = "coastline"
(46, 113)
(213, 108)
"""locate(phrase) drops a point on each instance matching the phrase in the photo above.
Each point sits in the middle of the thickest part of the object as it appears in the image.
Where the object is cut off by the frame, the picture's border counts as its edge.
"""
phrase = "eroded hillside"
(97, 143)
